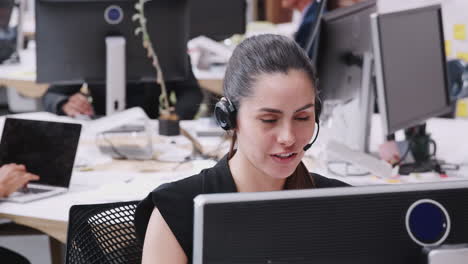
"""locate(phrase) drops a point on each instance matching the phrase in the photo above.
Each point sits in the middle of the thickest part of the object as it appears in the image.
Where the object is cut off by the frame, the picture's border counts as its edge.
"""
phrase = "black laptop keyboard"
(34, 190)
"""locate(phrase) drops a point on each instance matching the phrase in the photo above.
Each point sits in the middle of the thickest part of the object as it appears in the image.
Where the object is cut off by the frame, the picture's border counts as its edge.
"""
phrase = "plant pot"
(168, 127)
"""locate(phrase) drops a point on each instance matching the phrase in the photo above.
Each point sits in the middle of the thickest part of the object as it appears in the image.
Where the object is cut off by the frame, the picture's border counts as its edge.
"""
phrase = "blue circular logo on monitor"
(113, 14)
(427, 222)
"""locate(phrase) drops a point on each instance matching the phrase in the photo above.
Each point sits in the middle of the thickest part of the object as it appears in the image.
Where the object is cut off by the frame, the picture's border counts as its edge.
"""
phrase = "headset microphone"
(306, 147)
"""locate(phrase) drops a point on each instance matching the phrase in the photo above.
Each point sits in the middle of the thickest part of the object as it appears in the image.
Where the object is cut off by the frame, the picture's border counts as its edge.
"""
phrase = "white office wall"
(455, 16)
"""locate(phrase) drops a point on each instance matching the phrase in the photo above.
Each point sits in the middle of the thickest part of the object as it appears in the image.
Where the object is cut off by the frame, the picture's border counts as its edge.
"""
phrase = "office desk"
(22, 76)
(452, 147)
(99, 179)
(112, 181)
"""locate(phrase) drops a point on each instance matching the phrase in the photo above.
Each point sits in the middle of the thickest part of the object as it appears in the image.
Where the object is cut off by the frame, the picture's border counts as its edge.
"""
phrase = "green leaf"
(173, 98)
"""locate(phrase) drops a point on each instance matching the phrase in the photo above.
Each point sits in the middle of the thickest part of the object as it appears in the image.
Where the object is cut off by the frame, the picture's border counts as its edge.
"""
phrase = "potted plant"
(168, 119)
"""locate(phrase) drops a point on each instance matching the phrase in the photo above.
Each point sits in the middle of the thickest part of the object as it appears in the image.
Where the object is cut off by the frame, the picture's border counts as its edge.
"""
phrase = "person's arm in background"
(13, 177)
(66, 100)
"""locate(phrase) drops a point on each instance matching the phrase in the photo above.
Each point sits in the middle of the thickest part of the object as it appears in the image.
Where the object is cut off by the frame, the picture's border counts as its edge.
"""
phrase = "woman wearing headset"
(271, 106)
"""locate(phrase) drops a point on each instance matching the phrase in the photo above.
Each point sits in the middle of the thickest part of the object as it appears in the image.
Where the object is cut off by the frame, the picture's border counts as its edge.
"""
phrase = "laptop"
(47, 149)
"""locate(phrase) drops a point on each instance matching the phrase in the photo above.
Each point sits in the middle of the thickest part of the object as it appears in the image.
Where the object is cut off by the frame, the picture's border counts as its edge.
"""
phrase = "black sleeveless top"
(174, 201)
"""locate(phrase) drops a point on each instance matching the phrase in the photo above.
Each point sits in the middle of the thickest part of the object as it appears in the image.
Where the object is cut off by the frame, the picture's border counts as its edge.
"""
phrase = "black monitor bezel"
(380, 72)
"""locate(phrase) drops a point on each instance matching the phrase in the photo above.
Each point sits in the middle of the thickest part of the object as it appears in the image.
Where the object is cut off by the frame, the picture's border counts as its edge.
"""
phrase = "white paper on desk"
(140, 185)
(100, 178)
(115, 120)
(222, 51)
(136, 189)
(89, 155)
(171, 152)
(113, 192)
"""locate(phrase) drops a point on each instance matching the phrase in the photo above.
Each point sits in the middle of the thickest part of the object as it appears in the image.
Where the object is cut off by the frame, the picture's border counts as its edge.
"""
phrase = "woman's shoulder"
(324, 182)
(176, 198)
(176, 194)
(184, 187)
(174, 202)
(217, 179)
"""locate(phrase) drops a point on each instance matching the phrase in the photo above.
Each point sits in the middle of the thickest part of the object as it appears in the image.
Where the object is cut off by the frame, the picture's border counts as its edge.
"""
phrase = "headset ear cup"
(222, 116)
(318, 109)
(225, 114)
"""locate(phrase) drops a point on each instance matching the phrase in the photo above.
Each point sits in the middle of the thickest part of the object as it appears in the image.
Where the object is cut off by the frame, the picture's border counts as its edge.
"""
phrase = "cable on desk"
(112, 146)
(121, 155)
(212, 155)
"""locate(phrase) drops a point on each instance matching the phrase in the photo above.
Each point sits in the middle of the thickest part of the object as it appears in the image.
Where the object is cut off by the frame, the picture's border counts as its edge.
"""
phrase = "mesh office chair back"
(103, 234)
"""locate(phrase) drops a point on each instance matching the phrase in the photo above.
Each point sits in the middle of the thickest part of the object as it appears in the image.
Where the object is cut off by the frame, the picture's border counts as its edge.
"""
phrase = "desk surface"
(111, 181)
(22, 76)
(99, 179)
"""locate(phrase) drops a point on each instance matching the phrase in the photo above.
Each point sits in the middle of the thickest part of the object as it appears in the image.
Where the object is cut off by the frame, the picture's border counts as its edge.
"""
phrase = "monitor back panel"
(217, 21)
(364, 229)
(71, 35)
(345, 35)
(413, 63)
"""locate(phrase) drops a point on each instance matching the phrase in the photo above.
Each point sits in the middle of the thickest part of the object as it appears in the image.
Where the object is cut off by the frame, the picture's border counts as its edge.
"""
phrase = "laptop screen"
(47, 149)
(6, 7)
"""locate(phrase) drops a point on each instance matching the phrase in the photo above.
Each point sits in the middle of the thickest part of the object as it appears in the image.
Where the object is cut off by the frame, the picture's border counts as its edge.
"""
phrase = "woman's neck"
(249, 178)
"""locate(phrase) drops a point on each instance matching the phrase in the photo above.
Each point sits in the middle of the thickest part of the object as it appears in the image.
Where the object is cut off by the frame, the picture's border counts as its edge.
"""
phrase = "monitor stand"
(115, 74)
(419, 144)
(345, 166)
(20, 34)
(366, 100)
(450, 253)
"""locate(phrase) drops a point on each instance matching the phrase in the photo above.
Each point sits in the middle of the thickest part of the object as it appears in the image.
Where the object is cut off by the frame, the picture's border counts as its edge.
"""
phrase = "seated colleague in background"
(309, 10)
(270, 83)
(13, 177)
(67, 99)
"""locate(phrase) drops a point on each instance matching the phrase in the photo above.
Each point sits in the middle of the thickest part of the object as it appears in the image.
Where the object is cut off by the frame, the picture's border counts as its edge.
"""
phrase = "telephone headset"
(226, 113)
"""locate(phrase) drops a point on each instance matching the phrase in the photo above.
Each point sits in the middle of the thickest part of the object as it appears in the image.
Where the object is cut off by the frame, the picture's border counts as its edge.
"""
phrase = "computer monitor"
(217, 20)
(412, 83)
(353, 225)
(345, 71)
(71, 47)
(345, 35)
